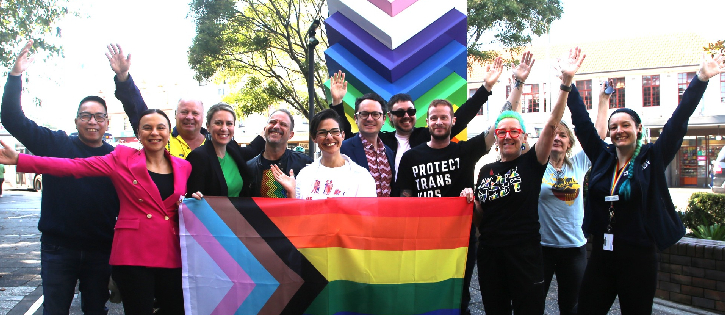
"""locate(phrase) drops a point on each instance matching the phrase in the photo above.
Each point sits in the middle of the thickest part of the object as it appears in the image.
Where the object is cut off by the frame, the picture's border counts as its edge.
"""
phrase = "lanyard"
(615, 179)
(618, 175)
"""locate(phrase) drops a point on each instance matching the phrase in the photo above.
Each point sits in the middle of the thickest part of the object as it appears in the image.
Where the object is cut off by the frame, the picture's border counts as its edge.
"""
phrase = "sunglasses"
(401, 112)
(514, 133)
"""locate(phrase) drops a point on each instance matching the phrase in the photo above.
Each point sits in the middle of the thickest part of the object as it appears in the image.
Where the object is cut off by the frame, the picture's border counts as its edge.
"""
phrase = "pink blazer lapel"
(137, 167)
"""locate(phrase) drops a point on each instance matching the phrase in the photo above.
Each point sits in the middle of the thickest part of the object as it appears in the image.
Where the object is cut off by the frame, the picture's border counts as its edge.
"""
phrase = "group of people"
(114, 211)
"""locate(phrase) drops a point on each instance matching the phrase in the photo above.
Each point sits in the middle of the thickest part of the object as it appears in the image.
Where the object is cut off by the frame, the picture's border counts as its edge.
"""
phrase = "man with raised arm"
(402, 115)
(279, 129)
(188, 134)
(77, 216)
(442, 168)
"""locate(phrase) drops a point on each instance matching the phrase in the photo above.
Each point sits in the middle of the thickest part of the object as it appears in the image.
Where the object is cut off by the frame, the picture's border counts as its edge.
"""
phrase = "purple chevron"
(392, 7)
(242, 283)
(393, 64)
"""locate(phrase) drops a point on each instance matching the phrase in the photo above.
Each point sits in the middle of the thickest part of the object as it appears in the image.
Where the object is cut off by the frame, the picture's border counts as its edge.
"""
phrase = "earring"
(523, 147)
(495, 146)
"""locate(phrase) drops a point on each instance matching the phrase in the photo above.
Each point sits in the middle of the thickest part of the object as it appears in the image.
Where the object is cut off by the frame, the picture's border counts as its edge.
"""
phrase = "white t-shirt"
(561, 203)
(316, 181)
(403, 146)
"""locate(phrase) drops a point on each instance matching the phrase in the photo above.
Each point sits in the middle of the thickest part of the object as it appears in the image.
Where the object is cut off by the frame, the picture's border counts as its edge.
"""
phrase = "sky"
(158, 34)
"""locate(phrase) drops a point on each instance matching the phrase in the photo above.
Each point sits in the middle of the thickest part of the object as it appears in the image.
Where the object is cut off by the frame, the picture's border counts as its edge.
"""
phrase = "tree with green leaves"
(512, 22)
(29, 19)
(260, 46)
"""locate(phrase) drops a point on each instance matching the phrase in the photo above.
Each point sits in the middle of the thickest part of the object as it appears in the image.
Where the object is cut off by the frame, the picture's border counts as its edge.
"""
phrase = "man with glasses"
(366, 149)
(279, 129)
(442, 168)
(77, 216)
(402, 115)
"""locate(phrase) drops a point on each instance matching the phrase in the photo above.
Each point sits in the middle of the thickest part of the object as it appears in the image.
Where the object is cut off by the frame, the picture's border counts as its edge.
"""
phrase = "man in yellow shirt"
(188, 134)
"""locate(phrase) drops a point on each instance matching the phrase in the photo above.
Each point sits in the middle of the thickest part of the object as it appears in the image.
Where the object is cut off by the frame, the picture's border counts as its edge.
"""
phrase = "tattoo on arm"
(406, 193)
(507, 106)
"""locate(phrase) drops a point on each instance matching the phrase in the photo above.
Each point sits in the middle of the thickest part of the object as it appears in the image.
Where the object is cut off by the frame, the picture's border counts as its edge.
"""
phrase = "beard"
(444, 136)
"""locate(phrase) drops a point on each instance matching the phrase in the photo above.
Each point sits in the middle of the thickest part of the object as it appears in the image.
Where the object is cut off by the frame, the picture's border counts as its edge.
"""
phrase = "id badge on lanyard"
(609, 235)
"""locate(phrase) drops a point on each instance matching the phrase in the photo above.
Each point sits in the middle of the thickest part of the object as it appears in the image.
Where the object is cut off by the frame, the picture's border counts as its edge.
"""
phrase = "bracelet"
(565, 88)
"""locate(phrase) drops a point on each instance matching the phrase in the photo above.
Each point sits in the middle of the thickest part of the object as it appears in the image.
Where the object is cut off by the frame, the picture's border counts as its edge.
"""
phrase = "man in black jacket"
(277, 132)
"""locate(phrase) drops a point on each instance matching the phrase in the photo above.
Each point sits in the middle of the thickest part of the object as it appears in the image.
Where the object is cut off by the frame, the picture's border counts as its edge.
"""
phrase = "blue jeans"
(61, 268)
(568, 264)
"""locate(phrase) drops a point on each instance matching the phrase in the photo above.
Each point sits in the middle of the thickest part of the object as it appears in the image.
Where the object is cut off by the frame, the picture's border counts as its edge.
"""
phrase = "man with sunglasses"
(366, 149)
(442, 168)
(402, 115)
(77, 216)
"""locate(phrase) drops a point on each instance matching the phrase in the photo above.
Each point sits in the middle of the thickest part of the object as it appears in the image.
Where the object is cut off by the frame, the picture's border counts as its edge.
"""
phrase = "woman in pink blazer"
(145, 256)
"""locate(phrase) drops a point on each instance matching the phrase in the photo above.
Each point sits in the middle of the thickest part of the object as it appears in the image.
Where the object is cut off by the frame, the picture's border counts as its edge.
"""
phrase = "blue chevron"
(265, 284)
(451, 58)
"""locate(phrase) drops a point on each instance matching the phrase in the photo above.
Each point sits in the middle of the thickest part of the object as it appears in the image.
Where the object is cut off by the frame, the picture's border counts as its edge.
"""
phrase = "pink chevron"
(243, 284)
(392, 7)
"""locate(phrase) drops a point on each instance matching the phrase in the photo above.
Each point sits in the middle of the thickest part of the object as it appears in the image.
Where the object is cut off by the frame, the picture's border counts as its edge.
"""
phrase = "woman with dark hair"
(146, 257)
(331, 175)
(510, 266)
(629, 212)
(219, 166)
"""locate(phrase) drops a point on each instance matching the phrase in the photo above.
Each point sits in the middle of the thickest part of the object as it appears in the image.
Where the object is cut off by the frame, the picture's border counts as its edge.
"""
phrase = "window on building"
(530, 98)
(722, 88)
(683, 80)
(617, 99)
(650, 90)
(585, 90)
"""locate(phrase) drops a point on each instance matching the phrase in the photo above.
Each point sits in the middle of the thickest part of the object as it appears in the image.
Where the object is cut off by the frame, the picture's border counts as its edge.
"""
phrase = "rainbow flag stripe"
(334, 256)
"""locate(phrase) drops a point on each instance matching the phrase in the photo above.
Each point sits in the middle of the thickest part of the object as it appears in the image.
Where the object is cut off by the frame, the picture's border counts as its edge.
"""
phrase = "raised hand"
(522, 71)
(287, 182)
(569, 65)
(338, 87)
(493, 72)
(119, 63)
(8, 156)
(23, 61)
(711, 66)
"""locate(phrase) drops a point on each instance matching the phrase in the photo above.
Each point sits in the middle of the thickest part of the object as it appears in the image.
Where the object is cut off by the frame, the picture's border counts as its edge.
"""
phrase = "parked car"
(718, 170)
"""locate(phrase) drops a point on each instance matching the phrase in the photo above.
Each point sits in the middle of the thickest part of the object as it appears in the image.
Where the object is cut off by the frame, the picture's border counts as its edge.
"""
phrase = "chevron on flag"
(333, 256)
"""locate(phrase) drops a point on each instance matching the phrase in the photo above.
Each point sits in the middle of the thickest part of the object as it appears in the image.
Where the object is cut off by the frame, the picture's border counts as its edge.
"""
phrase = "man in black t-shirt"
(277, 132)
(441, 168)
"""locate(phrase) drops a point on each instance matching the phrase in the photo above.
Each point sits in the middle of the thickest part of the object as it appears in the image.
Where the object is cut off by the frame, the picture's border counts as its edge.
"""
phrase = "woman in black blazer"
(219, 166)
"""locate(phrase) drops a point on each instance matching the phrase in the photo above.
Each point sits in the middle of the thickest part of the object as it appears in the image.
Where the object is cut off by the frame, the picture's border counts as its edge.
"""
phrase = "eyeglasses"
(514, 133)
(86, 116)
(365, 115)
(401, 112)
(322, 133)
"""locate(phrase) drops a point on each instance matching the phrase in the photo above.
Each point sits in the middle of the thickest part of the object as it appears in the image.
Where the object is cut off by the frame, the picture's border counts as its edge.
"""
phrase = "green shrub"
(712, 232)
(704, 209)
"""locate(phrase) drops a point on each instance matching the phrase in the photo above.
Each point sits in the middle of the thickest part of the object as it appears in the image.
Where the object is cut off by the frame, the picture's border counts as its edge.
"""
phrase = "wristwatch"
(566, 88)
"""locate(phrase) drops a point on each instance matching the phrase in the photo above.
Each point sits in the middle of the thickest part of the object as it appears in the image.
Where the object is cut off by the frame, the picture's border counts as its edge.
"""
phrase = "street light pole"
(311, 43)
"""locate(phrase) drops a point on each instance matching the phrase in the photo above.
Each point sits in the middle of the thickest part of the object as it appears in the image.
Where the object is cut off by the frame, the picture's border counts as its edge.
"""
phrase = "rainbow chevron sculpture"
(416, 47)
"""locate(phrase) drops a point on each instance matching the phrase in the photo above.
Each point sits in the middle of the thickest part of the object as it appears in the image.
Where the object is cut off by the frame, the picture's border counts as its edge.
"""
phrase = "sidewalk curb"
(25, 304)
(685, 308)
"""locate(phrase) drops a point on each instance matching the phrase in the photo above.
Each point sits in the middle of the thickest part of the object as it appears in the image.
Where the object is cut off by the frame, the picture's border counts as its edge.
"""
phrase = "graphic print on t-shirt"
(269, 187)
(564, 188)
(431, 177)
(497, 186)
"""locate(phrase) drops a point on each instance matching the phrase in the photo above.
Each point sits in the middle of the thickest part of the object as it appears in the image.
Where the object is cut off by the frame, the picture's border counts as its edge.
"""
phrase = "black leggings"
(629, 272)
(568, 264)
(140, 285)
